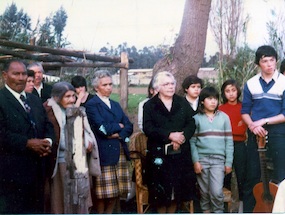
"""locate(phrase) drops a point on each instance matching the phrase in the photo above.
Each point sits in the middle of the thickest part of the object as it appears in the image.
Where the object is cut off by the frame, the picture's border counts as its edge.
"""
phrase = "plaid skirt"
(114, 180)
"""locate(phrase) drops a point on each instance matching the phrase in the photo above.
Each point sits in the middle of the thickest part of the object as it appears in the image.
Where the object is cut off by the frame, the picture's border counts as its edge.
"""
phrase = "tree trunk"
(187, 55)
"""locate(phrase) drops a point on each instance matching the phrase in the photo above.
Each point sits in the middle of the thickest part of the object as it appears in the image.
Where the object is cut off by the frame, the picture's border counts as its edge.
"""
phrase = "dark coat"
(105, 122)
(21, 169)
(45, 92)
(167, 171)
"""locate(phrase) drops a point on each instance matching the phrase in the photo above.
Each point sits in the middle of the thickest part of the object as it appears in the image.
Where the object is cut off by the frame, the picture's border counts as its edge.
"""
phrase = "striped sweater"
(212, 137)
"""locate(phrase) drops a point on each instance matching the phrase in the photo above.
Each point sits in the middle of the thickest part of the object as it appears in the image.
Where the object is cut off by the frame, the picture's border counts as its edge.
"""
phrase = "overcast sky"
(91, 24)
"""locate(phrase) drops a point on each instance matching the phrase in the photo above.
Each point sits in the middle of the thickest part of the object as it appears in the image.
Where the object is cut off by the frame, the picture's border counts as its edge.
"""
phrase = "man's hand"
(259, 131)
(40, 146)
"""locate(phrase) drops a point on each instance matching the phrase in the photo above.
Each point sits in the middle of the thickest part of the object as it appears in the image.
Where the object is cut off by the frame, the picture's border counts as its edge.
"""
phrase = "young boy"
(263, 110)
(192, 86)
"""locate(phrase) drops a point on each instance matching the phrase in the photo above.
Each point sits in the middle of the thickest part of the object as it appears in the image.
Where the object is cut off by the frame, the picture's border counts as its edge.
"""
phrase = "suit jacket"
(45, 92)
(21, 170)
(15, 130)
(105, 122)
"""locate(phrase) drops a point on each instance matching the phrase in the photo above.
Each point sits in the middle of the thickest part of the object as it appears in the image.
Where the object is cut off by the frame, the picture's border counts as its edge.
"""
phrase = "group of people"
(194, 142)
(36, 160)
(197, 139)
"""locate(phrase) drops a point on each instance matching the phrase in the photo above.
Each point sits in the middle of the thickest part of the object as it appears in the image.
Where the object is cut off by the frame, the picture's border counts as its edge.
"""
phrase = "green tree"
(276, 31)
(59, 23)
(241, 68)
(15, 25)
(46, 38)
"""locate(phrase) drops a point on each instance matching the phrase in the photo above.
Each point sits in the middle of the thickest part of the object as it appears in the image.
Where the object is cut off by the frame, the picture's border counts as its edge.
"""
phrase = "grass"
(133, 101)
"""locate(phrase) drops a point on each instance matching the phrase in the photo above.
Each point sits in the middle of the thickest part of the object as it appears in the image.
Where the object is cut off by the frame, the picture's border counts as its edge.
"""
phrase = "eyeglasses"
(167, 84)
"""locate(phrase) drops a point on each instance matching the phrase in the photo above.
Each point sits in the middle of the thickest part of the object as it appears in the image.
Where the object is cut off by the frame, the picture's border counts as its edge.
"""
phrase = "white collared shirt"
(17, 95)
(39, 89)
(105, 99)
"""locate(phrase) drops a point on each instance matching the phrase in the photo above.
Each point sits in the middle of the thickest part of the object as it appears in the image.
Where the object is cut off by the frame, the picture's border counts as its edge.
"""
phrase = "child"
(232, 107)
(212, 150)
(192, 86)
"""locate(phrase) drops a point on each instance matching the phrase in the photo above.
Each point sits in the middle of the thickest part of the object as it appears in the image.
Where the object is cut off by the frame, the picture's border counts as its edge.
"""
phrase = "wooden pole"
(124, 81)
(51, 65)
(79, 54)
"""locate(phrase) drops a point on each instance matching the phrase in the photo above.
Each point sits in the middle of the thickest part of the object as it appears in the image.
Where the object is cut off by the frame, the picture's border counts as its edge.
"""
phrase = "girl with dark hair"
(232, 107)
(212, 150)
(30, 81)
(82, 95)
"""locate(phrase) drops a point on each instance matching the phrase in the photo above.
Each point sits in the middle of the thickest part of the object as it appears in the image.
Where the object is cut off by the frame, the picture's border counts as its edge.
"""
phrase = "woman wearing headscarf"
(63, 97)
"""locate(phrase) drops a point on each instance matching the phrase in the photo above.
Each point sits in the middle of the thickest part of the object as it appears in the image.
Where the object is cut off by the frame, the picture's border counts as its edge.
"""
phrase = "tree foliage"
(15, 25)
(276, 31)
(235, 59)
(143, 58)
(59, 22)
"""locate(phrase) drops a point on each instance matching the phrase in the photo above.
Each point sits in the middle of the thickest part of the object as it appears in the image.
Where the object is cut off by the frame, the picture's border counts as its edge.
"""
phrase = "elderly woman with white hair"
(168, 124)
(63, 97)
(112, 129)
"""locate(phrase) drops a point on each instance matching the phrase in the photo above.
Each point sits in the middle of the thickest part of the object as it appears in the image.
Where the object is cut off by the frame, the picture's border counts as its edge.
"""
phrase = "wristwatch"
(266, 121)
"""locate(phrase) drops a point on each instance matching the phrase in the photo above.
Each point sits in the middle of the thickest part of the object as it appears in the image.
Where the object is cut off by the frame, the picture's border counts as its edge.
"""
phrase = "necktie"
(28, 110)
(24, 100)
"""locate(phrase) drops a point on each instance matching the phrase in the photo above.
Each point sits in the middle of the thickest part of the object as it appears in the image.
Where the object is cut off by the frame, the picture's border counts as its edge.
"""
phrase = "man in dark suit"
(25, 140)
(41, 89)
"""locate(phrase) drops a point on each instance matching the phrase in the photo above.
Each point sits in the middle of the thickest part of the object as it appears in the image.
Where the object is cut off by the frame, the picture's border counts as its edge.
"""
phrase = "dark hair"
(59, 89)
(282, 66)
(30, 73)
(150, 89)
(8, 63)
(191, 79)
(265, 51)
(79, 81)
(206, 93)
(225, 84)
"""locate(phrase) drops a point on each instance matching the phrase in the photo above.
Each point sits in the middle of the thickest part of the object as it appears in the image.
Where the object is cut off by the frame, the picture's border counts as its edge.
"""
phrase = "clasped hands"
(177, 139)
(256, 128)
(40, 146)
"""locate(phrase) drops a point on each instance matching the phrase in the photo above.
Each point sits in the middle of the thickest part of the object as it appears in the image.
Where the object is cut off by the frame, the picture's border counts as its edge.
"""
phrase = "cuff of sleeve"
(50, 141)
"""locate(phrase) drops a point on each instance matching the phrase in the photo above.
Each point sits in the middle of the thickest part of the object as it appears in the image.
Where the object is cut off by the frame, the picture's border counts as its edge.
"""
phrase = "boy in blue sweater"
(263, 110)
(212, 150)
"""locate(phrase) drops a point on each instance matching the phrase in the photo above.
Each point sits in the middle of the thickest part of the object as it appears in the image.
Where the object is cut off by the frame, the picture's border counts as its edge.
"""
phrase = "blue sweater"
(263, 100)
(212, 138)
